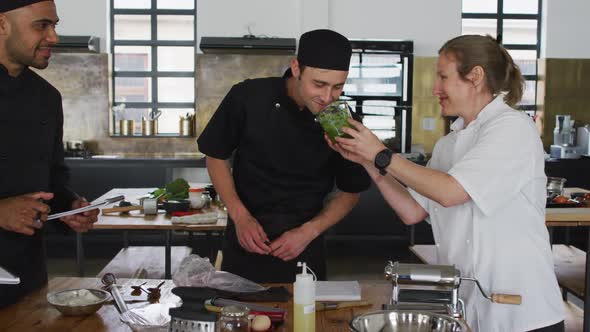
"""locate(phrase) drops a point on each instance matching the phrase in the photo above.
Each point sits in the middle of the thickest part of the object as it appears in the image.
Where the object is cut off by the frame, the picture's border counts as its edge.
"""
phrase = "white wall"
(383, 19)
(429, 23)
(565, 29)
(84, 18)
(231, 18)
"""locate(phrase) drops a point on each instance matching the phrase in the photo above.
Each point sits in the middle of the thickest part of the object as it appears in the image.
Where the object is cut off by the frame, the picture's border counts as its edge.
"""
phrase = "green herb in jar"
(333, 118)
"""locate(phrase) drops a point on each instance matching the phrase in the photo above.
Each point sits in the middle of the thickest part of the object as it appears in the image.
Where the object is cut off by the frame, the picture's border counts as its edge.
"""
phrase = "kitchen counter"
(94, 176)
(34, 312)
(144, 159)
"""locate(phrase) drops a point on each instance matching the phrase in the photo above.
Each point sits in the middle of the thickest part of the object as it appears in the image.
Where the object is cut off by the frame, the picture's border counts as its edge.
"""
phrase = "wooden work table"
(137, 221)
(34, 313)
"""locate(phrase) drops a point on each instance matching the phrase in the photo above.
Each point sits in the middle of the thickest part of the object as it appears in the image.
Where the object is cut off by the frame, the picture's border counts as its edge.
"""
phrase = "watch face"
(382, 159)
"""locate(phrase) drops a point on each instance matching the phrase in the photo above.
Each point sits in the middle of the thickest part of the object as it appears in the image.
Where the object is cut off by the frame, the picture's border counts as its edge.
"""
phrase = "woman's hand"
(362, 147)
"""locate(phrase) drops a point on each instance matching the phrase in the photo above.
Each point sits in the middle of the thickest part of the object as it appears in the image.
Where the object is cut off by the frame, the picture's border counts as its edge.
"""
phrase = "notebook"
(337, 291)
(6, 278)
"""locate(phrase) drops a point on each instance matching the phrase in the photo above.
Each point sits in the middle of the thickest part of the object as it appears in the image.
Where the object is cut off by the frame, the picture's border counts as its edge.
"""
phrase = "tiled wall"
(83, 80)
(563, 88)
(217, 73)
(425, 105)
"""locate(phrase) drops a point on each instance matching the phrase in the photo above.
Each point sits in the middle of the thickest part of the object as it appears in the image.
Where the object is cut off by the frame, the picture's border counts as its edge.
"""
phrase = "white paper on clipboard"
(86, 208)
(6, 278)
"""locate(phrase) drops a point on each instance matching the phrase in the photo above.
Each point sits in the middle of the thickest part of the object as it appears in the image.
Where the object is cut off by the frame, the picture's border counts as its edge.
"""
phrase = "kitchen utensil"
(583, 140)
(437, 286)
(555, 185)
(155, 114)
(86, 208)
(149, 127)
(126, 127)
(323, 306)
(110, 282)
(149, 206)
(180, 205)
(186, 126)
(192, 315)
(401, 320)
(59, 300)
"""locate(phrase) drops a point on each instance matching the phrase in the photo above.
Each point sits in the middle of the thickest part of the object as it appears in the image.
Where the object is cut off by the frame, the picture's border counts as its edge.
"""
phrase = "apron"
(267, 268)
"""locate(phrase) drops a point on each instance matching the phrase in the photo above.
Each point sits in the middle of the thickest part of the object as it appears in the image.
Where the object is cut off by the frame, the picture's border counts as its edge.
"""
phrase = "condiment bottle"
(304, 300)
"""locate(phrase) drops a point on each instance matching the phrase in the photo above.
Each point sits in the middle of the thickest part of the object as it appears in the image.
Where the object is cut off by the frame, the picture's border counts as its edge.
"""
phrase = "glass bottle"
(234, 318)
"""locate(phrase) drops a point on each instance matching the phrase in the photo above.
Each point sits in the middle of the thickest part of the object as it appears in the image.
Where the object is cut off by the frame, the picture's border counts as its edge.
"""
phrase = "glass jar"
(234, 318)
(195, 196)
(333, 117)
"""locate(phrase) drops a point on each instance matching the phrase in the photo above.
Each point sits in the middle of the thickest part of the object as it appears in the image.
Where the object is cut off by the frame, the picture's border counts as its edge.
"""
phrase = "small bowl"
(58, 300)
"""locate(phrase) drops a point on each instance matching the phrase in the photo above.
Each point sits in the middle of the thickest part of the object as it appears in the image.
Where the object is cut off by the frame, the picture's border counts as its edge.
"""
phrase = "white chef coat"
(499, 236)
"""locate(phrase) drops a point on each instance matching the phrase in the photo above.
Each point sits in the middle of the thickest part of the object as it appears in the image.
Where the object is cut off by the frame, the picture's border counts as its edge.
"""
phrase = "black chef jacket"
(282, 168)
(31, 160)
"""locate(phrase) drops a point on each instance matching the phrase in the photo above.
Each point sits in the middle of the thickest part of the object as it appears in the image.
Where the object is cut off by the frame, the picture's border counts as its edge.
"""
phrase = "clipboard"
(86, 208)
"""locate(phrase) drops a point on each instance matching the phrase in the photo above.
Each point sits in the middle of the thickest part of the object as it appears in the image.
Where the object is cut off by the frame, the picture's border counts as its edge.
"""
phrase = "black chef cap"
(8, 5)
(324, 49)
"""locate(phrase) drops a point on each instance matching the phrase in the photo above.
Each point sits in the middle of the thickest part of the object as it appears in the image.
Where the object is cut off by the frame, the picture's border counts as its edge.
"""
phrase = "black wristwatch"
(382, 160)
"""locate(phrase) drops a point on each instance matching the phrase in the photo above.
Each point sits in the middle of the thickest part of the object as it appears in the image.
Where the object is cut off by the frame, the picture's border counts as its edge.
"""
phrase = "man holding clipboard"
(33, 176)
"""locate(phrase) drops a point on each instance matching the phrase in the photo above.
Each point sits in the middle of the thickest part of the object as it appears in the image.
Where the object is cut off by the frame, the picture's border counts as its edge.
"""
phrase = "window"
(378, 87)
(518, 22)
(153, 47)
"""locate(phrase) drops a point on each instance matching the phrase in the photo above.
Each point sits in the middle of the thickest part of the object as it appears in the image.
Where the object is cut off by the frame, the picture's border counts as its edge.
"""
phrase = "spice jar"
(234, 318)
(333, 117)
(199, 198)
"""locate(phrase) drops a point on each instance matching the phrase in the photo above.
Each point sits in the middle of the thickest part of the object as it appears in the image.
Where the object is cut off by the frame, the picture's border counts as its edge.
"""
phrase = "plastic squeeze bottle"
(304, 300)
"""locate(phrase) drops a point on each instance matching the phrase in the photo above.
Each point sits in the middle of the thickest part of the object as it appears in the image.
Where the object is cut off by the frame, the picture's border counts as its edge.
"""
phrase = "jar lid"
(235, 311)
(196, 190)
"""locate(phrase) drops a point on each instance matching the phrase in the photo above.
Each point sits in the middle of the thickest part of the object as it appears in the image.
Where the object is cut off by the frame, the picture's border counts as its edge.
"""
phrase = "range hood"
(248, 45)
(77, 44)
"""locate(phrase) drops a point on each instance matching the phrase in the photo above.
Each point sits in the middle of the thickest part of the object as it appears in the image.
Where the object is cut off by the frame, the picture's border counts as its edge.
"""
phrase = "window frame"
(403, 108)
(500, 16)
(153, 12)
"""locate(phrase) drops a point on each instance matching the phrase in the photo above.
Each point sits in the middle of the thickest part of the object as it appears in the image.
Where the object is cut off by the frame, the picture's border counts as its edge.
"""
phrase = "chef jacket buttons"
(277, 106)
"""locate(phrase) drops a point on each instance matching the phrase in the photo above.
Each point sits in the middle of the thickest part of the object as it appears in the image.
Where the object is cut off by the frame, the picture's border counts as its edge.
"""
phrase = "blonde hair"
(502, 74)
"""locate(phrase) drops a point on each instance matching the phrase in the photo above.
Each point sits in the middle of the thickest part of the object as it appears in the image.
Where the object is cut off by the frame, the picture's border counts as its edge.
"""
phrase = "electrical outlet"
(428, 124)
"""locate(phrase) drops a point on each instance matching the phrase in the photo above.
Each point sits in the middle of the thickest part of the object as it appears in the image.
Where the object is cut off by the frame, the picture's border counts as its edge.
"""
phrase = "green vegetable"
(177, 189)
(177, 186)
(333, 118)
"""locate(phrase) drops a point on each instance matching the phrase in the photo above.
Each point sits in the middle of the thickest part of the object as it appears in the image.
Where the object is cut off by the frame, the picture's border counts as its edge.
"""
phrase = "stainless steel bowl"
(406, 321)
(56, 300)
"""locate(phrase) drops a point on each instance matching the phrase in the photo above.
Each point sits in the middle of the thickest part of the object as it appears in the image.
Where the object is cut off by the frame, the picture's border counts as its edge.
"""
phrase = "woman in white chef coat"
(483, 190)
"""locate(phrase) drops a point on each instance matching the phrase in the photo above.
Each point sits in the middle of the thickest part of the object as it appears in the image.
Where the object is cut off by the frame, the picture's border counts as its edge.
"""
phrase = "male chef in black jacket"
(33, 177)
(283, 169)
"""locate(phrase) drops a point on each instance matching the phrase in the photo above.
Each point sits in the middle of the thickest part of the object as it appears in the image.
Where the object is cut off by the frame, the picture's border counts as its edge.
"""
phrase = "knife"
(322, 306)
